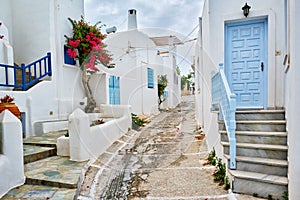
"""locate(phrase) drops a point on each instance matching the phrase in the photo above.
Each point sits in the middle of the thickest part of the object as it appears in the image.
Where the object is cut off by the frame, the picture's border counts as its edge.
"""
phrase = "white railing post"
(11, 152)
(79, 133)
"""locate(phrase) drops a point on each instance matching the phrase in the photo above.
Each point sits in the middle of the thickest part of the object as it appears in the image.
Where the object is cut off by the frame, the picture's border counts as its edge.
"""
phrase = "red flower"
(93, 44)
(87, 39)
(74, 43)
(72, 53)
(91, 34)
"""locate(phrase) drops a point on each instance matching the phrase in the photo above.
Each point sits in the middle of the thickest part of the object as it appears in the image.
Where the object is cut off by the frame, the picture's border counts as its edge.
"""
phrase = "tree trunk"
(91, 103)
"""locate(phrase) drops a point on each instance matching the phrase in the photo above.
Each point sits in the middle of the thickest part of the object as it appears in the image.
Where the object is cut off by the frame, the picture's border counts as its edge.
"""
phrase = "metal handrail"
(38, 69)
(222, 96)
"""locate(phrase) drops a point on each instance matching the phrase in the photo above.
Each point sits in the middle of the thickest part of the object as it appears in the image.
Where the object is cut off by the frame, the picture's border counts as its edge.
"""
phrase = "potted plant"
(6, 102)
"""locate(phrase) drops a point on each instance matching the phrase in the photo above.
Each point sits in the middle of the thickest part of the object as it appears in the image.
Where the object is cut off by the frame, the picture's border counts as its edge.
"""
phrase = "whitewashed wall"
(293, 100)
(32, 29)
(39, 27)
(68, 77)
(215, 14)
(6, 57)
(133, 52)
(6, 16)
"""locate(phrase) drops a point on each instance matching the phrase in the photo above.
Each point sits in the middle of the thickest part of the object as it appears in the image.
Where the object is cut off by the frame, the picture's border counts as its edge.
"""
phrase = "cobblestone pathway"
(162, 161)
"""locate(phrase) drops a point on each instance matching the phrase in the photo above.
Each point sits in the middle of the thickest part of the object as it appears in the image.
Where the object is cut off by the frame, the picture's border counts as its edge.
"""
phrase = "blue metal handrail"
(222, 96)
(38, 69)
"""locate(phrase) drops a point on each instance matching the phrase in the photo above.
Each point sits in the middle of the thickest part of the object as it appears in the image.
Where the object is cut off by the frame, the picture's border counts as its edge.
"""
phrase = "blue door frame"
(114, 90)
(246, 62)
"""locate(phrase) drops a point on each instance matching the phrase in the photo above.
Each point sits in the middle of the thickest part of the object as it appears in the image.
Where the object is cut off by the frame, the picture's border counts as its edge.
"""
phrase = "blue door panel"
(245, 52)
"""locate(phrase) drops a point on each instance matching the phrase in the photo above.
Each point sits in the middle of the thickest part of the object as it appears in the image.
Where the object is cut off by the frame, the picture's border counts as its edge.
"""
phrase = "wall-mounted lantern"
(246, 9)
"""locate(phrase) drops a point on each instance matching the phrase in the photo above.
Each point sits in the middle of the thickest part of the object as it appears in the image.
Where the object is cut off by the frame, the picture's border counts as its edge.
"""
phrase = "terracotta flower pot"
(12, 107)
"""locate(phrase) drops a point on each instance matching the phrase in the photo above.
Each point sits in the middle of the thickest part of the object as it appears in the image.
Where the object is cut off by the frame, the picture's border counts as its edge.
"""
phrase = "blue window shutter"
(114, 90)
(150, 78)
(111, 89)
(68, 59)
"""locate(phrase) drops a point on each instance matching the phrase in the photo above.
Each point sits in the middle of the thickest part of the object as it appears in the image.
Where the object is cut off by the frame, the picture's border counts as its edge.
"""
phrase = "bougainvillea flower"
(74, 43)
(72, 53)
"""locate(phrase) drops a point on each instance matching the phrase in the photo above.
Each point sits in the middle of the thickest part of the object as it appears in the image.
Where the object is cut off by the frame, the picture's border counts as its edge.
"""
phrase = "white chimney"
(132, 19)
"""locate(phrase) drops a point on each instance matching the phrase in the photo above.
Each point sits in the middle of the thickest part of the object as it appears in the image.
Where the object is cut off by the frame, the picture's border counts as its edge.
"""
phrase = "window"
(68, 59)
(150, 78)
(114, 90)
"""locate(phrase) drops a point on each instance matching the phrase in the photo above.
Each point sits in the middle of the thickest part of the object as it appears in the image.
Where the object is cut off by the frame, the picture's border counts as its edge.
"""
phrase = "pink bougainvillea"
(86, 45)
(88, 41)
(72, 53)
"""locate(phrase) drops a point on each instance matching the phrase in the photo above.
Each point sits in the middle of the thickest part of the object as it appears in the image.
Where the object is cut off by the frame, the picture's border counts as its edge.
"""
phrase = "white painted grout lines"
(96, 178)
(165, 154)
(190, 197)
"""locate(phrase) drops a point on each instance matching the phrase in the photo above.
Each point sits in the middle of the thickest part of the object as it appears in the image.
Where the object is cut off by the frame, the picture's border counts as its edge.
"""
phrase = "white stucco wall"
(6, 16)
(68, 77)
(6, 57)
(133, 52)
(31, 29)
(293, 101)
(212, 53)
(39, 27)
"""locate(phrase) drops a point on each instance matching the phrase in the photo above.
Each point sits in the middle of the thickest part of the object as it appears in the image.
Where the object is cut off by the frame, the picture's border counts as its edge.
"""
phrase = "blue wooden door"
(246, 62)
(114, 90)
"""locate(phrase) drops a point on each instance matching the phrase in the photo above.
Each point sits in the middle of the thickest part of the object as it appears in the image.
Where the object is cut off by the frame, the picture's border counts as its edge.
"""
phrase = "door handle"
(262, 66)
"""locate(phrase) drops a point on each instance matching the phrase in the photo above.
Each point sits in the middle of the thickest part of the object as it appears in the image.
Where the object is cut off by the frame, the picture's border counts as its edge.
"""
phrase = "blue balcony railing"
(222, 96)
(30, 73)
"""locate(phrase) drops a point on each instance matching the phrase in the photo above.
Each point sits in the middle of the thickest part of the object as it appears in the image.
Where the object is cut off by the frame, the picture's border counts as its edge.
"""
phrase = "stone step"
(261, 165)
(55, 171)
(33, 153)
(257, 137)
(260, 115)
(39, 192)
(46, 140)
(258, 125)
(258, 183)
(51, 126)
(19, 79)
(258, 150)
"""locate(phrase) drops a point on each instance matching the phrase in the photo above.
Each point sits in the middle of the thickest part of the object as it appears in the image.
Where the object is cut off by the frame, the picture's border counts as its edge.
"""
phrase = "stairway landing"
(48, 176)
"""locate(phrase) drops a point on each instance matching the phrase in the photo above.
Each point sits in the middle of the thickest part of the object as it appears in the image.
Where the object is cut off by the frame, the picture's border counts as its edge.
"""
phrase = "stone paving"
(165, 160)
(47, 176)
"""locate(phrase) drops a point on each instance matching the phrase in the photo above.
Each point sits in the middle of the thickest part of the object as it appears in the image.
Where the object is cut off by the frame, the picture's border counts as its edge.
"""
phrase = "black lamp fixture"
(246, 9)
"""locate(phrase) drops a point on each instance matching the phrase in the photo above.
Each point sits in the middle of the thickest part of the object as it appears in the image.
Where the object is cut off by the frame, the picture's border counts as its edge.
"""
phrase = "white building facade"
(34, 29)
(137, 66)
(259, 55)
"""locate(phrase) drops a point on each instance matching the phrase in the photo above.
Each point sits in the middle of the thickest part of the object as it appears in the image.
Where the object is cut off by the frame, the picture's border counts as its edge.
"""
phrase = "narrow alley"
(162, 161)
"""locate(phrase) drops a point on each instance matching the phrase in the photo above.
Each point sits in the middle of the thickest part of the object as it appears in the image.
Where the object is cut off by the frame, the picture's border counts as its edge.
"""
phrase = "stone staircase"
(48, 176)
(261, 153)
(19, 79)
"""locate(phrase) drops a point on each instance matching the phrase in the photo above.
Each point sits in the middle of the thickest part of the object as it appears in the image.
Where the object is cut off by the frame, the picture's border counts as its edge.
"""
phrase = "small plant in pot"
(6, 102)
(137, 122)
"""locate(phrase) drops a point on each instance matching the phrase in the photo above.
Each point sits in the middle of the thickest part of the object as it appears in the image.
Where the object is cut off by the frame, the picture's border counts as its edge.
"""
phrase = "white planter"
(63, 147)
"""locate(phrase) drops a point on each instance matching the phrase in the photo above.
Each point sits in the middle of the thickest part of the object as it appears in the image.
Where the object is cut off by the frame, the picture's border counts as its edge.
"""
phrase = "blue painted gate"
(114, 90)
(246, 62)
